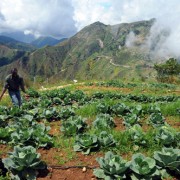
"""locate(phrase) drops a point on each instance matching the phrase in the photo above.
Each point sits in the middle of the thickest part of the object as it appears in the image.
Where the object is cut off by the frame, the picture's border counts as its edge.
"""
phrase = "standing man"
(13, 83)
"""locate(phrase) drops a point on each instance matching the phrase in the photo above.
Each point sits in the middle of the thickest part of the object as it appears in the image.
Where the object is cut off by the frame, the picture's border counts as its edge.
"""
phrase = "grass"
(6, 101)
(65, 145)
(170, 108)
(152, 145)
(63, 142)
(66, 157)
(87, 110)
(125, 146)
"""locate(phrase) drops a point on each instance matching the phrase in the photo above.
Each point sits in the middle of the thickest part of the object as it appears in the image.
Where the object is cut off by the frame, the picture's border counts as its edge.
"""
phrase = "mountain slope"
(96, 52)
(13, 44)
(8, 55)
(44, 41)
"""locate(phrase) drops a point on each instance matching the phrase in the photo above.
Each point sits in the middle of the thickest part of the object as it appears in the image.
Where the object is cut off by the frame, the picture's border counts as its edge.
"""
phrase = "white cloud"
(120, 11)
(57, 17)
(130, 40)
(42, 17)
(113, 12)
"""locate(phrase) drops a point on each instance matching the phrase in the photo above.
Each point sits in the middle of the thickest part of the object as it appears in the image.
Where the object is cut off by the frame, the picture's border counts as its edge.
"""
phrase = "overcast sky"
(59, 18)
(65, 17)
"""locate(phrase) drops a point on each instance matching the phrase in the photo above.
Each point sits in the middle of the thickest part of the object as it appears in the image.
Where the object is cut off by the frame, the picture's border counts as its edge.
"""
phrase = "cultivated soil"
(63, 165)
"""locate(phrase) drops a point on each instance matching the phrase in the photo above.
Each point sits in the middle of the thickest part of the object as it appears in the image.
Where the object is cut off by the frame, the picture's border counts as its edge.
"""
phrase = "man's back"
(13, 83)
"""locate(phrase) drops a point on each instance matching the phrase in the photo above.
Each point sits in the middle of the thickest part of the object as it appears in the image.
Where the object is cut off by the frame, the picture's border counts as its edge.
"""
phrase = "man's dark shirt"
(14, 83)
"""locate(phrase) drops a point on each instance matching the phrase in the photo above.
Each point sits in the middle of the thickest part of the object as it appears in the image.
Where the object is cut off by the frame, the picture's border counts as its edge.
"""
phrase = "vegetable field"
(105, 130)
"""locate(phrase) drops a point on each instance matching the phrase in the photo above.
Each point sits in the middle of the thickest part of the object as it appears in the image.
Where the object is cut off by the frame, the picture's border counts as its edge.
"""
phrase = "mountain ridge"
(44, 41)
(14, 44)
(77, 57)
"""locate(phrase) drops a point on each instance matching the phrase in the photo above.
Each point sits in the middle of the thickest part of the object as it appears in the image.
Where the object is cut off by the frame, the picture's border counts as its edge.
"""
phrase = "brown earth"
(63, 165)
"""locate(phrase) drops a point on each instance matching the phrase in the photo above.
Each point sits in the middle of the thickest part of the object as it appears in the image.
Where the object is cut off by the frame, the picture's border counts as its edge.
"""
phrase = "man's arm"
(4, 90)
(6, 85)
(23, 89)
(22, 86)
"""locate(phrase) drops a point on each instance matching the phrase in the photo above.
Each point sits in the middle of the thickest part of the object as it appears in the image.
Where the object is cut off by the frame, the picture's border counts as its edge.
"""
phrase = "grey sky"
(66, 17)
(38, 17)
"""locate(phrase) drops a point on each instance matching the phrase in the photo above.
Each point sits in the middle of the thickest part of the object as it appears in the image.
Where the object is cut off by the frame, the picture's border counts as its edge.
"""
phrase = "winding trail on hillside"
(75, 83)
(111, 62)
(59, 87)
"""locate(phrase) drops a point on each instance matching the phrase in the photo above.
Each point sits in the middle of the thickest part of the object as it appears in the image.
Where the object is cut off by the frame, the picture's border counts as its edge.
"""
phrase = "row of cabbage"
(24, 162)
(119, 84)
(84, 142)
(26, 131)
(162, 164)
(54, 105)
(23, 130)
(66, 97)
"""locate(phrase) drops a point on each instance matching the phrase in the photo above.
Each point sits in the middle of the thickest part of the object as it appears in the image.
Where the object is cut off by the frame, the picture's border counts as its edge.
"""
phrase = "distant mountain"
(8, 55)
(11, 50)
(98, 51)
(44, 41)
(19, 36)
(14, 44)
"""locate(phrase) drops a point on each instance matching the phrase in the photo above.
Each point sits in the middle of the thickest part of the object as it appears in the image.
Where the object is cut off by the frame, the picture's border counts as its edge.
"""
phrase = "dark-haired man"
(13, 83)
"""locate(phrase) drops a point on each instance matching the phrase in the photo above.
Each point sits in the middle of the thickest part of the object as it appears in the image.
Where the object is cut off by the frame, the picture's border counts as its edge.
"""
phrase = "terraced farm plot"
(105, 130)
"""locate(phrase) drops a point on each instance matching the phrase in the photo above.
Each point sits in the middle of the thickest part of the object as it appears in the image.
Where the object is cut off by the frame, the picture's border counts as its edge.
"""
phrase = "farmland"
(109, 130)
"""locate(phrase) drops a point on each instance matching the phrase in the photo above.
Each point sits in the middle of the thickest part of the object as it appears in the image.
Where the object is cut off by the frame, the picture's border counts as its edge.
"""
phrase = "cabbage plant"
(143, 167)
(23, 163)
(168, 158)
(156, 119)
(3, 120)
(36, 113)
(73, 125)
(138, 110)
(77, 95)
(103, 108)
(15, 111)
(166, 136)
(137, 135)
(120, 109)
(30, 133)
(4, 135)
(56, 101)
(130, 120)
(154, 108)
(65, 113)
(111, 167)
(103, 121)
(45, 102)
(3, 171)
(106, 139)
(3, 110)
(178, 111)
(86, 143)
(51, 114)
(33, 93)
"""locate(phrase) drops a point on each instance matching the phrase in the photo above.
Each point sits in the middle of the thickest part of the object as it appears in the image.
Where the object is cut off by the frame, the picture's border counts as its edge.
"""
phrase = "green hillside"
(98, 51)
(13, 44)
(8, 55)
(43, 41)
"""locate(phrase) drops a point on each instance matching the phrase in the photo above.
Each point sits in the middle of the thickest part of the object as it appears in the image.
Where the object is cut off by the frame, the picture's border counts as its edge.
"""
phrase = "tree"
(168, 70)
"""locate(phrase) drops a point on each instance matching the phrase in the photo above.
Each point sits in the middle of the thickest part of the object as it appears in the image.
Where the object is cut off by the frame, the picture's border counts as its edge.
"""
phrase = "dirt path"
(59, 87)
(111, 62)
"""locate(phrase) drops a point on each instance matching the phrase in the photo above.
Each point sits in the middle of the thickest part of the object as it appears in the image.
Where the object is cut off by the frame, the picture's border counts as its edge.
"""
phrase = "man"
(13, 83)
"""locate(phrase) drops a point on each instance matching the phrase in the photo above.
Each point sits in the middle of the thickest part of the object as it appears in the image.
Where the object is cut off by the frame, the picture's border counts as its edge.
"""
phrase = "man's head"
(14, 72)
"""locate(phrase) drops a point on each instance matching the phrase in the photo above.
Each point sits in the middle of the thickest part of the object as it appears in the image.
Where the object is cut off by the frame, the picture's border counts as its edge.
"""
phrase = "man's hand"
(4, 90)
(26, 96)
